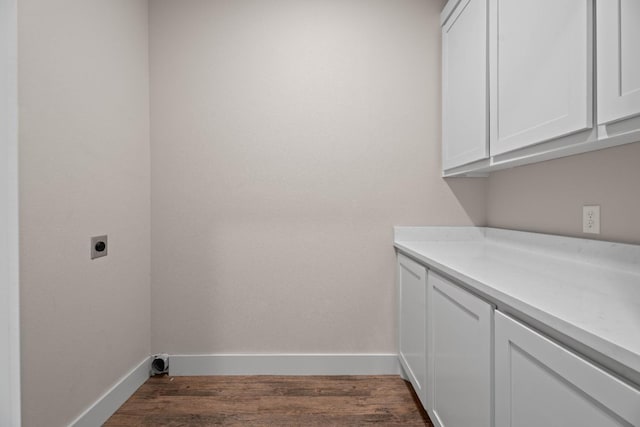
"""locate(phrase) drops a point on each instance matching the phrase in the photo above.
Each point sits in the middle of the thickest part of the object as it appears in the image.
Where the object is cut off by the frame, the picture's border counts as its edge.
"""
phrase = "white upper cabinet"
(519, 80)
(464, 79)
(618, 23)
(541, 79)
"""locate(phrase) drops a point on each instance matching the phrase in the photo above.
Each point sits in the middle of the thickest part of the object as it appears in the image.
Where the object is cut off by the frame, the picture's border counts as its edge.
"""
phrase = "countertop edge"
(506, 303)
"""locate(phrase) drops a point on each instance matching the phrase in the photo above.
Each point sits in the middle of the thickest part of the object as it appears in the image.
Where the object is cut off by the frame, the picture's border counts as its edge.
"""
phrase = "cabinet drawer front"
(618, 59)
(412, 283)
(460, 344)
(541, 58)
(540, 383)
(464, 85)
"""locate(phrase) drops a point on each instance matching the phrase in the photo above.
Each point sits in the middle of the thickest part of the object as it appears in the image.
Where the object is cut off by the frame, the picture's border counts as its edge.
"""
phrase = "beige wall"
(548, 197)
(84, 170)
(288, 137)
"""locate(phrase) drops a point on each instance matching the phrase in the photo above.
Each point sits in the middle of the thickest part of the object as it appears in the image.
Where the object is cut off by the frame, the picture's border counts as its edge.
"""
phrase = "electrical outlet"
(98, 246)
(591, 219)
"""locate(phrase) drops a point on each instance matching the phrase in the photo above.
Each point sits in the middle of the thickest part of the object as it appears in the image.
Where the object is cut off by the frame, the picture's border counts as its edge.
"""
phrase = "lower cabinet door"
(540, 383)
(412, 284)
(460, 344)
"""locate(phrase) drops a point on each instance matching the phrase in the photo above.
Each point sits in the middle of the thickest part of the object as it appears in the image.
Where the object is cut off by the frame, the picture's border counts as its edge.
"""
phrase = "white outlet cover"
(591, 219)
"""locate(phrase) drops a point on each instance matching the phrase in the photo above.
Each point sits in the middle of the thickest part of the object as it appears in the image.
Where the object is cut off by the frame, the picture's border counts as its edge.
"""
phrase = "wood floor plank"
(272, 401)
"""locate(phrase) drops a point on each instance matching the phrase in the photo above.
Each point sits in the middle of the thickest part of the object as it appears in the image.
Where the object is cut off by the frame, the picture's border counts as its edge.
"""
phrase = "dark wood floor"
(272, 401)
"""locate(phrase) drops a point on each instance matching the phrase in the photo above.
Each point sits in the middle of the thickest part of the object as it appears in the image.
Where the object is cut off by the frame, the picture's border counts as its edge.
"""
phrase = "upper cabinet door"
(464, 79)
(618, 59)
(541, 59)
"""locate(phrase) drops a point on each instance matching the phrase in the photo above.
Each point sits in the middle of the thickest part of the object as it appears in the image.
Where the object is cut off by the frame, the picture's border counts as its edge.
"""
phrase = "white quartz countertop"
(584, 289)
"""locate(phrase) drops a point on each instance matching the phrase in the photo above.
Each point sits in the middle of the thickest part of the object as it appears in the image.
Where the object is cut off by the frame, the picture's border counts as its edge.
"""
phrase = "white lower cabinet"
(472, 365)
(459, 355)
(540, 383)
(412, 283)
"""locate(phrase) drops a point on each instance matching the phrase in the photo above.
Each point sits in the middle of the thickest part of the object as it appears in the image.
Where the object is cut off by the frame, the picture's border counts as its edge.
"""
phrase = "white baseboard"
(109, 402)
(284, 364)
